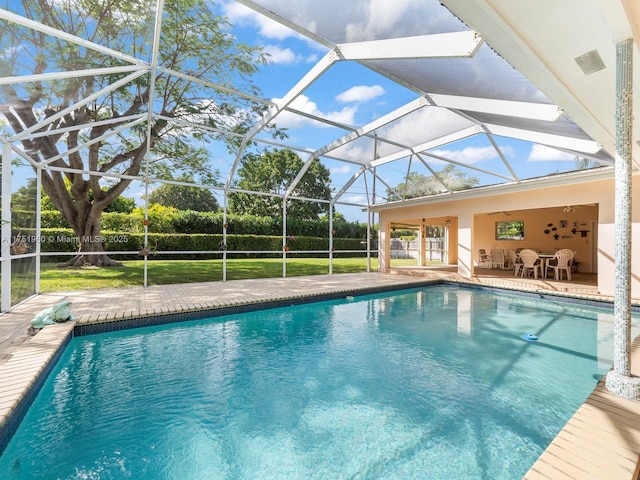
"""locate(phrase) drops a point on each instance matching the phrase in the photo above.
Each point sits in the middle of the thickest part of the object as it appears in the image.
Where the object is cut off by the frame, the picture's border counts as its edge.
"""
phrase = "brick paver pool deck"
(601, 441)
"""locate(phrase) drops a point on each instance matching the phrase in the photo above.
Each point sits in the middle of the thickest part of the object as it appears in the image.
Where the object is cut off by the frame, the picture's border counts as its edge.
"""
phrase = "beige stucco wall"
(475, 230)
(537, 222)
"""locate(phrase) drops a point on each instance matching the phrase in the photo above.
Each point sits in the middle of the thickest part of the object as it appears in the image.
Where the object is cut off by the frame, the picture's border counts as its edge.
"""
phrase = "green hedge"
(203, 222)
(63, 240)
(164, 220)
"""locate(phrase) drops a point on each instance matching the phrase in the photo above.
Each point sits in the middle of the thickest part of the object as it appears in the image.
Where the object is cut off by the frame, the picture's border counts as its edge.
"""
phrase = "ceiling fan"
(498, 213)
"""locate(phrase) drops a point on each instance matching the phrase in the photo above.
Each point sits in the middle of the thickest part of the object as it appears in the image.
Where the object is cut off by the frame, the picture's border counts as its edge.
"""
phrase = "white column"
(369, 223)
(6, 227)
(619, 380)
(330, 238)
(422, 245)
(445, 256)
(284, 238)
(225, 227)
(38, 227)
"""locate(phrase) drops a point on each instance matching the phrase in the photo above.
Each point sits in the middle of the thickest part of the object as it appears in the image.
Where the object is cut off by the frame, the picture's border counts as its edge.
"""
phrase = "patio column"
(619, 380)
(5, 248)
(422, 245)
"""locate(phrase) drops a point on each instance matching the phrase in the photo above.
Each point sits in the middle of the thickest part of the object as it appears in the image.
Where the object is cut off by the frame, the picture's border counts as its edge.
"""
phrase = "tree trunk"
(91, 249)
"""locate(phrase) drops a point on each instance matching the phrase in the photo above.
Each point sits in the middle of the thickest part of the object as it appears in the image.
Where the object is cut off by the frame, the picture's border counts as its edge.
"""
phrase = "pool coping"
(22, 376)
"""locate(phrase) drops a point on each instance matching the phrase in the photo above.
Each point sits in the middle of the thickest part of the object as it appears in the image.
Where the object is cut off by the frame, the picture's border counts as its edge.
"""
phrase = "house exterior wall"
(537, 207)
(541, 228)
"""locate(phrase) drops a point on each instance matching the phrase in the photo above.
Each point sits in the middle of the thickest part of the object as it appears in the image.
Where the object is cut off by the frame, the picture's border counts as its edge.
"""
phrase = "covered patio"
(581, 284)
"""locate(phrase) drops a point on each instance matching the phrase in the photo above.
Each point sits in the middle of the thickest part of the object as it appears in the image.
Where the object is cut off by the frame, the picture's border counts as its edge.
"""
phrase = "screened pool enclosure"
(104, 100)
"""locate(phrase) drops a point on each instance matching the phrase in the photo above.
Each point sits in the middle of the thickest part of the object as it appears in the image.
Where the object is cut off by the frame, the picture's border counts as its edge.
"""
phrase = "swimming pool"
(424, 383)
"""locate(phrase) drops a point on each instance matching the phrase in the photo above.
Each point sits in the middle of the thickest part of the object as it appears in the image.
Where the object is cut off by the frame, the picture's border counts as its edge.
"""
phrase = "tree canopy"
(185, 198)
(273, 172)
(195, 41)
(420, 185)
(24, 198)
(584, 163)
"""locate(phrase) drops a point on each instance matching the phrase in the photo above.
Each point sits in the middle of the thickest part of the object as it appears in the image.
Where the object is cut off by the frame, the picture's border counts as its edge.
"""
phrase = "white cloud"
(354, 152)
(238, 14)
(312, 58)
(355, 199)
(281, 56)
(360, 93)
(425, 124)
(471, 155)
(368, 18)
(341, 170)
(384, 17)
(541, 153)
(304, 104)
(384, 14)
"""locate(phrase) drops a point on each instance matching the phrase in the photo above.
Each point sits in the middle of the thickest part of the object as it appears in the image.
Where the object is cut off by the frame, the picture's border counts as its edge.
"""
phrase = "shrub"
(160, 218)
(64, 240)
(169, 220)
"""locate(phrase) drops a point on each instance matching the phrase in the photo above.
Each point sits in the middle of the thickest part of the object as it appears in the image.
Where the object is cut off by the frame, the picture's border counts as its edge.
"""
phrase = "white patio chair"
(572, 261)
(560, 262)
(530, 262)
(497, 258)
(513, 262)
(484, 260)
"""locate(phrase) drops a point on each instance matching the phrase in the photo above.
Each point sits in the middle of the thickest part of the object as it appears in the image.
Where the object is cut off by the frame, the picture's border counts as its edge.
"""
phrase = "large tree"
(420, 185)
(194, 41)
(24, 198)
(185, 198)
(273, 172)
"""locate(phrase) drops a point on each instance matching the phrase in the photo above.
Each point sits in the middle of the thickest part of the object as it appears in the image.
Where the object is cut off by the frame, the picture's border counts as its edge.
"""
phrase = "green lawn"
(165, 272)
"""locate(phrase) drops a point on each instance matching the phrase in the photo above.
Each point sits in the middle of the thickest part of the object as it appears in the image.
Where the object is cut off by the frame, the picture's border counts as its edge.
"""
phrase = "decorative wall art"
(553, 228)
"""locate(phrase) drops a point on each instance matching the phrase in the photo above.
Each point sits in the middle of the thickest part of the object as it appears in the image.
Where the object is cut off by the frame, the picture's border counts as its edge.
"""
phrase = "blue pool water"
(431, 383)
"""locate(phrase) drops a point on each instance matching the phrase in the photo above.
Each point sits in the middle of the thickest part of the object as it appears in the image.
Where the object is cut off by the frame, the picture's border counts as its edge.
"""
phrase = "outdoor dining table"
(544, 261)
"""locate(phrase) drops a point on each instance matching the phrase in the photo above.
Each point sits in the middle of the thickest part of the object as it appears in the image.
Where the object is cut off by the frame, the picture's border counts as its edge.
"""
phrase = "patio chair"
(572, 263)
(513, 261)
(530, 262)
(484, 260)
(560, 262)
(497, 258)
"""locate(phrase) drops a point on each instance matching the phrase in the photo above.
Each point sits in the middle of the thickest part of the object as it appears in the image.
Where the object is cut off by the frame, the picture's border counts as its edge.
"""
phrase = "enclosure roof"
(510, 69)
(472, 68)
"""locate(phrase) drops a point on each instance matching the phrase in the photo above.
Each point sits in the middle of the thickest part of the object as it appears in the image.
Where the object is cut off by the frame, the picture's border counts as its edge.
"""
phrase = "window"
(510, 230)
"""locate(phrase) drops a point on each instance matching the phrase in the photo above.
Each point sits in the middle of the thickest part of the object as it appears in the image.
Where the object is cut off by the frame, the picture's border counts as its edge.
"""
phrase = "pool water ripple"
(425, 383)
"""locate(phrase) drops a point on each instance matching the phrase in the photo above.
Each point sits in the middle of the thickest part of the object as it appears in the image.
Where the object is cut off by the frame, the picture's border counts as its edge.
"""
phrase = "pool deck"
(601, 441)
